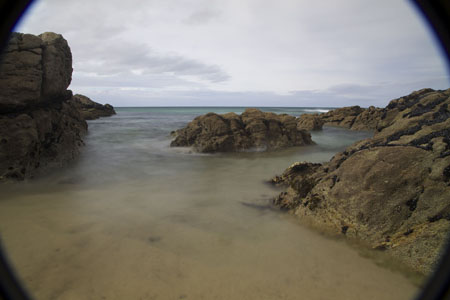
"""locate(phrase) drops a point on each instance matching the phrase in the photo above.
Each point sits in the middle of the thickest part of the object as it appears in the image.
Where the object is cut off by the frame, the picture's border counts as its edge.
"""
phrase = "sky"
(244, 52)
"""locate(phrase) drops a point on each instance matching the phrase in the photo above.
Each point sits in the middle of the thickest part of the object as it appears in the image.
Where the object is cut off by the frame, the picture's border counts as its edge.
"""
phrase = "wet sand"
(180, 240)
(133, 219)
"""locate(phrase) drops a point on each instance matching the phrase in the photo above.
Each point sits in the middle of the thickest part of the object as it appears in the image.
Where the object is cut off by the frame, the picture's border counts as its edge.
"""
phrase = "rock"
(36, 140)
(231, 132)
(310, 122)
(39, 127)
(91, 110)
(342, 117)
(34, 71)
(21, 72)
(353, 117)
(368, 119)
(391, 191)
(56, 65)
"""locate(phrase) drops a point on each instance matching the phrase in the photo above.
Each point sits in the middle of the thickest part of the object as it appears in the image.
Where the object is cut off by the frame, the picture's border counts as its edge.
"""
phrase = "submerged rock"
(91, 110)
(391, 191)
(39, 126)
(232, 132)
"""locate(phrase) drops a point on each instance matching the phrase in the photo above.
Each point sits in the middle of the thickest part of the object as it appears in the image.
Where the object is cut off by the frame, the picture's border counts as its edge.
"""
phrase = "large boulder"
(56, 65)
(253, 129)
(34, 141)
(91, 110)
(310, 122)
(391, 191)
(34, 70)
(39, 126)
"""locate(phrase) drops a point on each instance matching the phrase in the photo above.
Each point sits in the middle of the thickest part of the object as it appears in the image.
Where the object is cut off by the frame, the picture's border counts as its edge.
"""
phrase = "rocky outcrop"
(35, 70)
(253, 129)
(368, 119)
(391, 191)
(353, 117)
(39, 126)
(91, 110)
(310, 122)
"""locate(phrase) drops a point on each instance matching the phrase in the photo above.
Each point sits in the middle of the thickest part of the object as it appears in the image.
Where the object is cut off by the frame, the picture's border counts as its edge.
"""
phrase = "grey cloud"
(340, 95)
(201, 17)
(80, 80)
(94, 32)
(158, 46)
(122, 58)
(364, 95)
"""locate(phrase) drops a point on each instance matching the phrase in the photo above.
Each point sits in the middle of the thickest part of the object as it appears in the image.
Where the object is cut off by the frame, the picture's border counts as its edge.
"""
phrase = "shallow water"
(135, 219)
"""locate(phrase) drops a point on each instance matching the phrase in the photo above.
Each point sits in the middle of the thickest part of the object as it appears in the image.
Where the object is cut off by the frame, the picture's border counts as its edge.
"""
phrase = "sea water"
(132, 218)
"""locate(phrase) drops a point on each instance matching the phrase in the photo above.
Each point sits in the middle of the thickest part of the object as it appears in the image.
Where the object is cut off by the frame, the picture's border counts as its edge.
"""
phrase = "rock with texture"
(33, 141)
(391, 191)
(39, 127)
(56, 65)
(91, 110)
(310, 122)
(253, 129)
(34, 70)
(353, 117)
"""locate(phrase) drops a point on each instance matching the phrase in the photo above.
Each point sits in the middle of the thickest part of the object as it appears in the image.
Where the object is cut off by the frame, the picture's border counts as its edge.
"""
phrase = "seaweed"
(408, 101)
(344, 229)
(446, 173)
(427, 138)
(412, 203)
(423, 109)
(408, 131)
(408, 232)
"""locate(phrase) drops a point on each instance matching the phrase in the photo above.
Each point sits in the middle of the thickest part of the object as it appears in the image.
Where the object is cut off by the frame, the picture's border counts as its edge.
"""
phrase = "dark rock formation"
(91, 110)
(39, 126)
(35, 70)
(232, 132)
(310, 122)
(391, 191)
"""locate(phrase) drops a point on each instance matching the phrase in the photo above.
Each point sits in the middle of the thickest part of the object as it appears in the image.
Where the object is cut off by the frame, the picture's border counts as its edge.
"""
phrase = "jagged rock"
(353, 117)
(39, 127)
(391, 191)
(343, 117)
(36, 140)
(91, 110)
(368, 119)
(231, 132)
(309, 122)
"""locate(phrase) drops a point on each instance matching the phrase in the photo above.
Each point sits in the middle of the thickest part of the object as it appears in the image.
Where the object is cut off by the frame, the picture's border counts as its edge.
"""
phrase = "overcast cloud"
(243, 52)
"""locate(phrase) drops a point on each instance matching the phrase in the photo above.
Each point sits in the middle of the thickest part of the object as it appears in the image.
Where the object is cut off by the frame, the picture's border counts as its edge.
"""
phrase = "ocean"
(132, 218)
